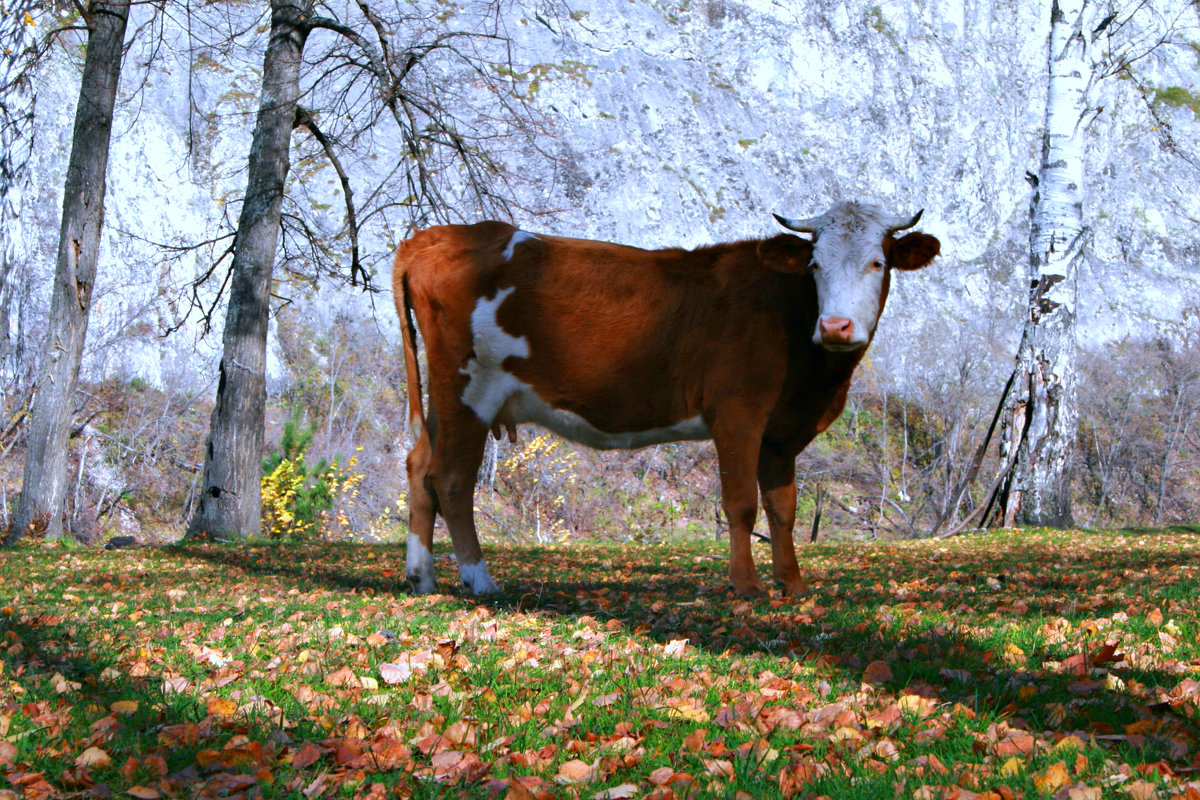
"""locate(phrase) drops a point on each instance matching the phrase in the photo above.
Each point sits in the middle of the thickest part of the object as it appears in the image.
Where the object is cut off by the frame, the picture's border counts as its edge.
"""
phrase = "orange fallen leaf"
(221, 707)
(877, 672)
(93, 757)
(307, 755)
(143, 793)
(575, 771)
(124, 707)
(1053, 778)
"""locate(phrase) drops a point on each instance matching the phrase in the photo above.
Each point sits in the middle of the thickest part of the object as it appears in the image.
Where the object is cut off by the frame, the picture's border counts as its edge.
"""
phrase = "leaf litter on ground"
(1010, 665)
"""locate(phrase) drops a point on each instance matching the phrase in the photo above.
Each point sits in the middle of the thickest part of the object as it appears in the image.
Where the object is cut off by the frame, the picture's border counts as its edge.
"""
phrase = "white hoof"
(476, 578)
(418, 567)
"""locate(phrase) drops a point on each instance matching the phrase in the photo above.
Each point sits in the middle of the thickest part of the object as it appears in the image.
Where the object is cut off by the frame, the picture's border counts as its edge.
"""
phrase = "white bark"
(17, 42)
(1044, 409)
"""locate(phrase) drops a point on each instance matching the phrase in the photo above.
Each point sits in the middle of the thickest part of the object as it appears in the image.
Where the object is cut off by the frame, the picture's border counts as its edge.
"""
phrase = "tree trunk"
(45, 481)
(1042, 421)
(16, 141)
(231, 496)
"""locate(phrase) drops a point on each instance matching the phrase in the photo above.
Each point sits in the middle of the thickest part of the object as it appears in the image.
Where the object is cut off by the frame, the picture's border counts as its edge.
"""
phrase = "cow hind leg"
(422, 508)
(456, 459)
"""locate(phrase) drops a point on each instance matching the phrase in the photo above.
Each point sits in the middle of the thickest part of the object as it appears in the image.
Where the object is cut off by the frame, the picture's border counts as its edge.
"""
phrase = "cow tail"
(412, 368)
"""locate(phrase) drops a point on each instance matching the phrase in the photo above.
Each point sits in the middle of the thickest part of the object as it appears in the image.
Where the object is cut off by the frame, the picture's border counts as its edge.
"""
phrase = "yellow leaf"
(1072, 742)
(916, 704)
(124, 707)
(1053, 778)
(29, 19)
(846, 733)
(1014, 766)
(221, 707)
(1013, 654)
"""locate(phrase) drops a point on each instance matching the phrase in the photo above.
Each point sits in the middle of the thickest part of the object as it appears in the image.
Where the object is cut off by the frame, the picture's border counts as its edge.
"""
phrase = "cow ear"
(914, 251)
(785, 253)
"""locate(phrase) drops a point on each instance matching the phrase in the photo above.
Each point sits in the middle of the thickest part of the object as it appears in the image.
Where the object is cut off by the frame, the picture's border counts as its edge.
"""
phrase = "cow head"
(854, 248)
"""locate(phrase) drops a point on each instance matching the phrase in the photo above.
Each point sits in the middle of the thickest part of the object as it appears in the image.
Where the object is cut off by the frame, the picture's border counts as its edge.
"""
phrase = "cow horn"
(797, 225)
(901, 225)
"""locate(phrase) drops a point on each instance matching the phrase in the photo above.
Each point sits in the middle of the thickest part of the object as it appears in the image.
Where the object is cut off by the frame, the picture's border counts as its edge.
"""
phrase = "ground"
(1018, 664)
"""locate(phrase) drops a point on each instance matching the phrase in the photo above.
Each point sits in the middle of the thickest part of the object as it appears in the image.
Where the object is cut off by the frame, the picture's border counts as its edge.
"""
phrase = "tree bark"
(45, 481)
(17, 99)
(1042, 421)
(231, 497)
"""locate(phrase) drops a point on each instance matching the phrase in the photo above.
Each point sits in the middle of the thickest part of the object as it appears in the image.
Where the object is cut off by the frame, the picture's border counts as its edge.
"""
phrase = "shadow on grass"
(982, 625)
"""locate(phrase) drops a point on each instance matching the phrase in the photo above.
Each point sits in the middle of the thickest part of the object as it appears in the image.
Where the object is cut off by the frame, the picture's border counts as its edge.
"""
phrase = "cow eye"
(877, 265)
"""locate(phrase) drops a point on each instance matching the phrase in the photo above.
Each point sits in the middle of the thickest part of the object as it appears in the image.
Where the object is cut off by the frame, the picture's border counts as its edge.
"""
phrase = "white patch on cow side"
(418, 566)
(490, 386)
(499, 397)
(476, 578)
(517, 238)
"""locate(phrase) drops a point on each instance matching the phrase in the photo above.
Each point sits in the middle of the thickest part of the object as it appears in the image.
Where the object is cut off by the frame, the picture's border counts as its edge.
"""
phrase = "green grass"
(1030, 664)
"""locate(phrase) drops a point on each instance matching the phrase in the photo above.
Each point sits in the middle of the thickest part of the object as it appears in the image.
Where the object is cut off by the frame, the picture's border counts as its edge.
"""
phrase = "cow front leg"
(456, 460)
(777, 482)
(422, 507)
(737, 456)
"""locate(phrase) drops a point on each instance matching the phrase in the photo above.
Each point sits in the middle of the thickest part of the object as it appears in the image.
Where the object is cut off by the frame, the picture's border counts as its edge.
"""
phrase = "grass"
(1033, 664)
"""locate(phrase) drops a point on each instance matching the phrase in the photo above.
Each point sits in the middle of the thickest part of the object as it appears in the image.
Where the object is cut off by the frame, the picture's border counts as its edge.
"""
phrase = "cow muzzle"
(838, 333)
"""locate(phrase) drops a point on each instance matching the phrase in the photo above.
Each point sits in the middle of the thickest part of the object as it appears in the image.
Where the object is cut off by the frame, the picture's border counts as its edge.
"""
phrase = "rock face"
(681, 122)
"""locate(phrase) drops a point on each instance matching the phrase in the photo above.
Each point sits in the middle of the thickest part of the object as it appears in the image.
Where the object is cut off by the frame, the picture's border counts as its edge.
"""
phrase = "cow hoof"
(800, 589)
(749, 591)
(421, 583)
(476, 578)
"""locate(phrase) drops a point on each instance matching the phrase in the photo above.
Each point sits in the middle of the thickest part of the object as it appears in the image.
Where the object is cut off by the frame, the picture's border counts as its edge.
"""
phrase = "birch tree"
(43, 489)
(1042, 419)
(17, 101)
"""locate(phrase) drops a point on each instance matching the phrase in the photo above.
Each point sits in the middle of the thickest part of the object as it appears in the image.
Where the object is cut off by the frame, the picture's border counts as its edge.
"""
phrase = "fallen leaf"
(221, 707)
(93, 757)
(575, 771)
(124, 707)
(877, 672)
(143, 793)
(1053, 778)
(623, 792)
(719, 767)
(395, 673)
(307, 755)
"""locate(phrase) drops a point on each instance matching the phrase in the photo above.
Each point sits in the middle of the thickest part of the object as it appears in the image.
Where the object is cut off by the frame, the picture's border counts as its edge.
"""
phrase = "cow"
(751, 344)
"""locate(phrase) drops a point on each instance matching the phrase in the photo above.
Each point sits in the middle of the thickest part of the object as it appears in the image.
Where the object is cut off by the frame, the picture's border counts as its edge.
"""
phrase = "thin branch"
(305, 119)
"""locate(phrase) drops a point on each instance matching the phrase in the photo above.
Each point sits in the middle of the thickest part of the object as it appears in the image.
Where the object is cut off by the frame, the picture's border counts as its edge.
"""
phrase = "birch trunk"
(45, 481)
(1043, 419)
(16, 143)
(231, 496)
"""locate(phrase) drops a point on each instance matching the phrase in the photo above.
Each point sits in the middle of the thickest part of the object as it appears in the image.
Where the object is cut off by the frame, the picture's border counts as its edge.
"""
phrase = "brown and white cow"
(751, 344)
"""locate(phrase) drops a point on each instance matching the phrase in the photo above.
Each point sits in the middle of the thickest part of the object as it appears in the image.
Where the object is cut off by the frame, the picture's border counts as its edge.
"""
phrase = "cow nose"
(837, 330)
